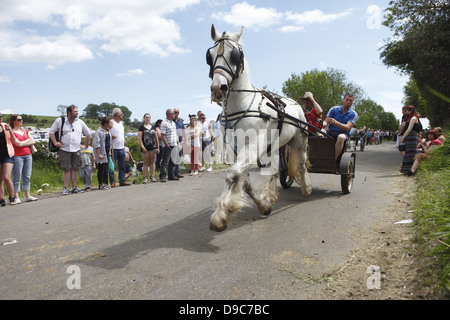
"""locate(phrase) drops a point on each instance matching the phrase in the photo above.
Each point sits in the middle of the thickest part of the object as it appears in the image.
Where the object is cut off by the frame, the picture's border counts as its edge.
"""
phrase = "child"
(87, 166)
(128, 157)
(102, 143)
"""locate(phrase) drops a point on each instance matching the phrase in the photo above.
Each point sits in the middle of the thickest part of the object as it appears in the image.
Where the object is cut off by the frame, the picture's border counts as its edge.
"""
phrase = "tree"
(94, 111)
(372, 115)
(62, 109)
(328, 87)
(423, 53)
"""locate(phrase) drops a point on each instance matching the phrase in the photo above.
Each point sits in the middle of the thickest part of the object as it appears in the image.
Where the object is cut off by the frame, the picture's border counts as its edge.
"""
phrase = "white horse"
(250, 111)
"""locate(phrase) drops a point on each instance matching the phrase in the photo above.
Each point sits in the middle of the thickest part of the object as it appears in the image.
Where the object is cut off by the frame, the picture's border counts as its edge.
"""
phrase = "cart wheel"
(347, 179)
(285, 180)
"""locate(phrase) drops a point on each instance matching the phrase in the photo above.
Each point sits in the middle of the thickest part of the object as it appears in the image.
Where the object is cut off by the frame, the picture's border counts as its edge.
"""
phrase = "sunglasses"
(19, 119)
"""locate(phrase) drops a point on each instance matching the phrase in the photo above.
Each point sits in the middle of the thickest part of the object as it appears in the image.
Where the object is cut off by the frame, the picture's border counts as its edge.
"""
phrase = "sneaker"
(153, 179)
(162, 180)
(144, 181)
(2, 203)
(17, 201)
(76, 190)
(201, 169)
(87, 189)
(66, 191)
(195, 172)
(209, 169)
(12, 200)
(191, 173)
(30, 198)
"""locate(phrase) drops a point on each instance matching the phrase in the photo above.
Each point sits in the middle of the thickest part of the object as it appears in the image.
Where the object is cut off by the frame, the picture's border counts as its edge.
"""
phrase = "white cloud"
(316, 16)
(257, 18)
(85, 26)
(286, 29)
(132, 72)
(4, 79)
(244, 14)
(31, 48)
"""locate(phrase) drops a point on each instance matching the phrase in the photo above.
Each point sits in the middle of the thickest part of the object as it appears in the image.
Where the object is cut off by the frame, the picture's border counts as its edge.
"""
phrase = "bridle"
(236, 58)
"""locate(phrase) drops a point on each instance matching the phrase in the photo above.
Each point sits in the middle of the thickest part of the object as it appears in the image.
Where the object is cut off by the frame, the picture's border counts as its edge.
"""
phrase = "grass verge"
(432, 216)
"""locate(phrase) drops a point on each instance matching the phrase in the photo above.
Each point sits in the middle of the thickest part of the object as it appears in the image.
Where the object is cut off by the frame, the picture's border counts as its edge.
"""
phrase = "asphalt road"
(153, 242)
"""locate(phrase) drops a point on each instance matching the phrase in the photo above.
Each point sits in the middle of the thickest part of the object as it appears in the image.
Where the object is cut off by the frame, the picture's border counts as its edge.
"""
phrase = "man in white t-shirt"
(69, 146)
(118, 144)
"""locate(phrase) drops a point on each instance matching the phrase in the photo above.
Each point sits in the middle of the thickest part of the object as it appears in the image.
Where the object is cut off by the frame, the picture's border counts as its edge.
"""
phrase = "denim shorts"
(6, 159)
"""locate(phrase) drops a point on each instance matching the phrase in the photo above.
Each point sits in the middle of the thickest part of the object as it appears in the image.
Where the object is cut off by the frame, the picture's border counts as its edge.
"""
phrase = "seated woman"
(433, 140)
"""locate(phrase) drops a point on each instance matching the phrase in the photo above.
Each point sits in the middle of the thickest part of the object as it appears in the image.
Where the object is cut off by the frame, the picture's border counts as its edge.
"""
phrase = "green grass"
(46, 176)
(432, 203)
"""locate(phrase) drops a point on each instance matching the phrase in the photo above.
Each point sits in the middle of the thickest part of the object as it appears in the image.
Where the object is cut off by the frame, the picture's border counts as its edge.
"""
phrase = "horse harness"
(229, 121)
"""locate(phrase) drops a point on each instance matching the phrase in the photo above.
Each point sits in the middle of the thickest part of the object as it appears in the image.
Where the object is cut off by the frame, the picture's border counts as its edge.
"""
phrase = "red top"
(313, 119)
(21, 151)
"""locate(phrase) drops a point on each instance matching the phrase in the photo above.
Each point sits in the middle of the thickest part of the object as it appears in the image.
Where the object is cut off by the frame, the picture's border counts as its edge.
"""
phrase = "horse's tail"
(293, 169)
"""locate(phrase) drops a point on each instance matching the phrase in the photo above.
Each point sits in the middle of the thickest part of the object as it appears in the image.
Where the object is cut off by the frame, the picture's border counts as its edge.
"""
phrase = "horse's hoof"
(267, 212)
(214, 228)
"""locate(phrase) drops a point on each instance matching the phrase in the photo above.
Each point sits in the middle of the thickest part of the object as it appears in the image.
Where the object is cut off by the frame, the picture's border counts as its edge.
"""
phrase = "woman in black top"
(413, 128)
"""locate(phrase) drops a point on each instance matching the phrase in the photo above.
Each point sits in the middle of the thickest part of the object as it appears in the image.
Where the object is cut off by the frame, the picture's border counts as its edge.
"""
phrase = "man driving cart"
(340, 120)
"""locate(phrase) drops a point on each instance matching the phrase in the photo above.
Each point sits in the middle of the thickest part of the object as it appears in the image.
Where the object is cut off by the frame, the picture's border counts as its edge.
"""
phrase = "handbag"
(111, 164)
(58, 136)
(32, 147)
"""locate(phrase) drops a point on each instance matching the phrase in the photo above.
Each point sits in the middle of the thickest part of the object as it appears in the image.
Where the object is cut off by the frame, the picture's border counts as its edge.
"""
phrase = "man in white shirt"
(170, 138)
(69, 146)
(118, 144)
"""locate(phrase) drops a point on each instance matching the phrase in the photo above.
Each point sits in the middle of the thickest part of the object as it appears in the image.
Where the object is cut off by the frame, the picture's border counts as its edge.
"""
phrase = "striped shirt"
(169, 129)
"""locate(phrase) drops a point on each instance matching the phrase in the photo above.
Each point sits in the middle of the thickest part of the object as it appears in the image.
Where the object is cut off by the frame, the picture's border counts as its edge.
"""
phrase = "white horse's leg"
(300, 146)
(263, 191)
(232, 198)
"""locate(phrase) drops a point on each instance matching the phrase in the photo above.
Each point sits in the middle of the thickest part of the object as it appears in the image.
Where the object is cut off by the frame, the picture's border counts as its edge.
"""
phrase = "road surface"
(153, 242)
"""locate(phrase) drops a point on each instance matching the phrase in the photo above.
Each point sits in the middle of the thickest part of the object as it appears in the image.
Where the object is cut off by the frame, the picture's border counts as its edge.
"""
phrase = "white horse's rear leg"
(263, 190)
(300, 145)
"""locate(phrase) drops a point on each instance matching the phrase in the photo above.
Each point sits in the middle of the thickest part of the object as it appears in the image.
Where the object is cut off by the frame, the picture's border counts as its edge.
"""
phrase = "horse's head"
(226, 61)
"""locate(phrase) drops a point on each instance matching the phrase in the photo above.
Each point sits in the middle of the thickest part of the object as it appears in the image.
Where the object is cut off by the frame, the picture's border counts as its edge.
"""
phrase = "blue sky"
(149, 55)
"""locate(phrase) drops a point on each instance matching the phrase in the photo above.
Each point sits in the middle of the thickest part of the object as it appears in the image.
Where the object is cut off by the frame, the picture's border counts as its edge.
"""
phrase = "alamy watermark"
(250, 147)
(74, 280)
(374, 280)
(373, 22)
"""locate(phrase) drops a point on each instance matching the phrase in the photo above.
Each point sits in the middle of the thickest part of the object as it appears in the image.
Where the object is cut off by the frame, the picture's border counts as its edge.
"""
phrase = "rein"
(274, 103)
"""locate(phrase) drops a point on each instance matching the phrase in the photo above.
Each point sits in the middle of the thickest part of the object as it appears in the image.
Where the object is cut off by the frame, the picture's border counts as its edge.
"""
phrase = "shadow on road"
(192, 233)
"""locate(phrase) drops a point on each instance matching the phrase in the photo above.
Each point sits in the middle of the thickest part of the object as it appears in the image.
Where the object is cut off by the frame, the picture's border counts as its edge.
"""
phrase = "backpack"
(149, 139)
(58, 136)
